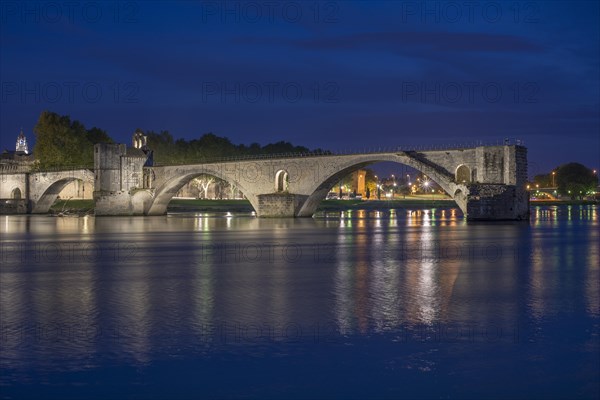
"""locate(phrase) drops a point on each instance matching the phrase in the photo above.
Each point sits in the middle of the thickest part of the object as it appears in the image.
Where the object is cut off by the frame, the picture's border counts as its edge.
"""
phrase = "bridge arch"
(328, 179)
(50, 194)
(175, 179)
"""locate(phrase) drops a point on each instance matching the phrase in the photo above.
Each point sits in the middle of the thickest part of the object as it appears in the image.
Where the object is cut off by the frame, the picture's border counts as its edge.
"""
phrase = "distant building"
(358, 184)
(20, 157)
(22, 143)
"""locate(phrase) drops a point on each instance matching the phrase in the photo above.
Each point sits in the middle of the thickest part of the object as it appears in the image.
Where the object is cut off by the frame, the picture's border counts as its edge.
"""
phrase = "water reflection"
(568, 267)
(138, 289)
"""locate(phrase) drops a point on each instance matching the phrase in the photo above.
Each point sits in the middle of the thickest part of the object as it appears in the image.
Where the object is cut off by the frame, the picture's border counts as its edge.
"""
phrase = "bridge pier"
(279, 204)
(112, 203)
(120, 184)
(488, 202)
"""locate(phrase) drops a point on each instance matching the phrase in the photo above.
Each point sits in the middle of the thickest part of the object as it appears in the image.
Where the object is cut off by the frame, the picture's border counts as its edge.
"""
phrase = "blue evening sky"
(335, 75)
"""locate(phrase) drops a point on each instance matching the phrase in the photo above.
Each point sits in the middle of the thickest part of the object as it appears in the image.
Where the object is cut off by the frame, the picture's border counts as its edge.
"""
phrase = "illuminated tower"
(22, 143)
(140, 140)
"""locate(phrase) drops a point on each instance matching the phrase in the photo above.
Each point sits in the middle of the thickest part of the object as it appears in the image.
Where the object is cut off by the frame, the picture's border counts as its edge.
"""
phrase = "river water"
(391, 304)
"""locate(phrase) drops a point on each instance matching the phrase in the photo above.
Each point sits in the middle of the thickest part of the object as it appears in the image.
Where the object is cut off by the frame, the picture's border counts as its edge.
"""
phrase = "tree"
(544, 180)
(97, 135)
(60, 142)
(284, 147)
(203, 182)
(232, 191)
(575, 179)
(370, 180)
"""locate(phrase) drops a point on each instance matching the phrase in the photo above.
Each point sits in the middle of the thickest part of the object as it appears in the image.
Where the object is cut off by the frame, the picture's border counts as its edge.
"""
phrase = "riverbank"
(561, 202)
(184, 205)
(78, 207)
(191, 205)
(180, 205)
(332, 205)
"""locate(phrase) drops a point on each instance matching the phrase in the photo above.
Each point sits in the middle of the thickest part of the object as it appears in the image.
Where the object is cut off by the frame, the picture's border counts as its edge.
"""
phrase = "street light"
(553, 173)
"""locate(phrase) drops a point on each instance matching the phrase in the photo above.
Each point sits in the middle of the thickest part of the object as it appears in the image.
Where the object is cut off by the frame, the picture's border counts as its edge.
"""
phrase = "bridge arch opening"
(463, 174)
(205, 185)
(281, 181)
(210, 187)
(320, 189)
(16, 194)
(50, 195)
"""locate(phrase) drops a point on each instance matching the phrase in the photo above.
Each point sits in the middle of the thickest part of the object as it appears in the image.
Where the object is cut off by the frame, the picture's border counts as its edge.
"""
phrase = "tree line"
(167, 149)
(61, 141)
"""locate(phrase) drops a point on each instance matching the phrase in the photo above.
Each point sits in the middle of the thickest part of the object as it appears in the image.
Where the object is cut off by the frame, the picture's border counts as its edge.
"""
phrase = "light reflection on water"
(85, 294)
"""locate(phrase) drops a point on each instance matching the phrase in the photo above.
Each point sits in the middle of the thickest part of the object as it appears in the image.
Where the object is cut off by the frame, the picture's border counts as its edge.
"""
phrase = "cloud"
(435, 41)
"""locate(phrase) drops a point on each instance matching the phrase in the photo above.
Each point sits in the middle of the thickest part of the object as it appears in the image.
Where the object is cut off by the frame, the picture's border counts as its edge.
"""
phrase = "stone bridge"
(487, 182)
(35, 192)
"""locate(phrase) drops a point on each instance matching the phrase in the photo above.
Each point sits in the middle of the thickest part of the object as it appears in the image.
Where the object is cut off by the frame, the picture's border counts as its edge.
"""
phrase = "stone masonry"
(490, 186)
